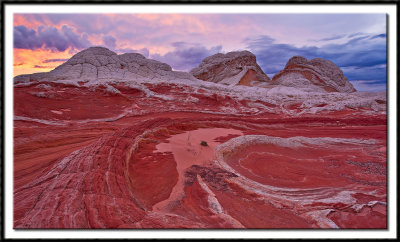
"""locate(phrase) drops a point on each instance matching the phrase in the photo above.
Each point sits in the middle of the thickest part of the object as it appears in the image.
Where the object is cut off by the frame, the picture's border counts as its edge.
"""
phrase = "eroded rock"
(88, 153)
(233, 68)
(317, 74)
(99, 63)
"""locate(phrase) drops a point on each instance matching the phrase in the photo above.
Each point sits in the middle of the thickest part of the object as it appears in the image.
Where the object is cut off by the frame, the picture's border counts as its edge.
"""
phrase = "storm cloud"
(49, 38)
(186, 56)
(360, 58)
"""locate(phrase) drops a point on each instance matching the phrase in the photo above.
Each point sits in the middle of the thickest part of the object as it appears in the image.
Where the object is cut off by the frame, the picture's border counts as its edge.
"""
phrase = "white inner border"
(389, 9)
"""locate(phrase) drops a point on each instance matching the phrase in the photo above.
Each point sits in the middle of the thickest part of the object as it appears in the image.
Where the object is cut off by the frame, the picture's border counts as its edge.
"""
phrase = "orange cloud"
(29, 21)
(25, 20)
(96, 39)
(157, 49)
(31, 61)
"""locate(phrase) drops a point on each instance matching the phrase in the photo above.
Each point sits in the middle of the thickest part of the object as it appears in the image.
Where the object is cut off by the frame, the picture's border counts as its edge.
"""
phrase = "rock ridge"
(101, 63)
(317, 74)
(233, 68)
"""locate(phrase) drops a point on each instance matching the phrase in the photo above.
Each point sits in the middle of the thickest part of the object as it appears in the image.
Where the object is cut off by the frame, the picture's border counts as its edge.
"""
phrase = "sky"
(354, 42)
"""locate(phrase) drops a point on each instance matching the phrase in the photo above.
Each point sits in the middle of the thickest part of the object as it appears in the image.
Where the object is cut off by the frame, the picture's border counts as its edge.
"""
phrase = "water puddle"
(188, 150)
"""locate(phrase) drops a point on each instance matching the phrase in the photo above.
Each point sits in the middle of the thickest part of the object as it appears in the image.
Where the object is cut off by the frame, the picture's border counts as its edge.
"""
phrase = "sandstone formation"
(125, 151)
(233, 68)
(99, 63)
(316, 74)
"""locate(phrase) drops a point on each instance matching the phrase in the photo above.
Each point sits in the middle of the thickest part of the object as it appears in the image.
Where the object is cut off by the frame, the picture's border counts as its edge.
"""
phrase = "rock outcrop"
(316, 74)
(114, 153)
(99, 63)
(233, 68)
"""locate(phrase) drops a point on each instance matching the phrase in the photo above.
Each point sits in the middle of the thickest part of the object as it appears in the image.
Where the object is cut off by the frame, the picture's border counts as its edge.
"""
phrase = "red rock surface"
(122, 154)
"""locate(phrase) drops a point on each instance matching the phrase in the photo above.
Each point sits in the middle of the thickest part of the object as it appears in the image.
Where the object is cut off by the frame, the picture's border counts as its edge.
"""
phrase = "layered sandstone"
(316, 74)
(233, 68)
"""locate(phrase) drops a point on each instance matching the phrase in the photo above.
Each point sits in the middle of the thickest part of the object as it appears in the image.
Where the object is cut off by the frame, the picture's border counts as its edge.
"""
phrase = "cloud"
(186, 56)
(41, 67)
(109, 41)
(356, 34)
(144, 51)
(49, 38)
(377, 72)
(54, 60)
(362, 57)
(379, 36)
(272, 56)
(369, 85)
(335, 37)
(83, 23)
(360, 52)
(25, 38)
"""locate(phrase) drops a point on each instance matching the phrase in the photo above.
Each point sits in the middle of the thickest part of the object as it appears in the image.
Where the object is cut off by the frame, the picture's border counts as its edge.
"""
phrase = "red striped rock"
(129, 153)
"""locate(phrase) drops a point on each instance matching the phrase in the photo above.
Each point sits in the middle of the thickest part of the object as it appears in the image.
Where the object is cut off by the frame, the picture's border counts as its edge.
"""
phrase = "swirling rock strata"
(127, 153)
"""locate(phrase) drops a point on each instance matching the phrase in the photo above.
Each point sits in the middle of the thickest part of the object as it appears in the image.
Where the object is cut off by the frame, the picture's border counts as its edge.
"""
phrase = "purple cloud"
(356, 34)
(335, 37)
(25, 38)
(361, 58)
(186, 56)
(379, 36)
(87, 23)
(49, 38)
(109, 41)
(54, 60)
(38, 66)
(144, 51)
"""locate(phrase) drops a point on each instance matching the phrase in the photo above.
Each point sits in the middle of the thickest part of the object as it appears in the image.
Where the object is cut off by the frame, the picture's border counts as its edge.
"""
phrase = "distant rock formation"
(233, 68)
(101, 63)
(317, 74)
